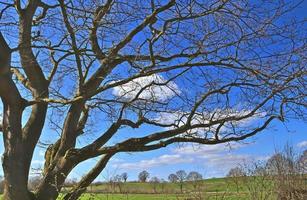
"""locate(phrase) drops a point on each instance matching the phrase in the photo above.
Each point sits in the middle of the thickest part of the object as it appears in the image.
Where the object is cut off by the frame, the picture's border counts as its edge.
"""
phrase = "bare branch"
(75, 193)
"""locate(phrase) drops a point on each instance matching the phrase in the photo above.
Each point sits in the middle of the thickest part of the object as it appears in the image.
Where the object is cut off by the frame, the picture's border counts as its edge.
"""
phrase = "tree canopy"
(195, 71)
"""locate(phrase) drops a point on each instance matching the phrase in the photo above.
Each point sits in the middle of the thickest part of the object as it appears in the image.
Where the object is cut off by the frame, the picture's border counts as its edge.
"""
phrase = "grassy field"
(211, 189)
(258, 188)
(157, 197)
(210, 185)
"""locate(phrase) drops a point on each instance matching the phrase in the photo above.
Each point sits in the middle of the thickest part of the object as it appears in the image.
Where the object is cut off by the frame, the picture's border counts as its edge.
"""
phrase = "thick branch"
(73, 38)
(75, 193)
(35, 77)
(14, 157)
(100, 12)
(110, 62)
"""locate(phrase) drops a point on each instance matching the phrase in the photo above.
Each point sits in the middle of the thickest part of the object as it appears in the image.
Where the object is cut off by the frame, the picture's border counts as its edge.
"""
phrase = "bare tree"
(196, 71)
(173, 178)
(302, 162)
(124, 176)
(155, 181)
(281, 177)
(163, 185)
(117, 180)
(143, 176)
(236, 174)
(194, 178)
(182, 176)
(257, 181)
(288, 174)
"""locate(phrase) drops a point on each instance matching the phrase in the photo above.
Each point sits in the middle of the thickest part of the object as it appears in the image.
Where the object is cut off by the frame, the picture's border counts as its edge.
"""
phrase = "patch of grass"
(211, 189)
(156, 197)
(210, 185)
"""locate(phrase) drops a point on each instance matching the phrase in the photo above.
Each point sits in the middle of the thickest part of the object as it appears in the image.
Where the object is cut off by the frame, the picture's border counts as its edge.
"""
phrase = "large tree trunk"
(60, 165)
(50, 187)
(15, 170)
(53, 181)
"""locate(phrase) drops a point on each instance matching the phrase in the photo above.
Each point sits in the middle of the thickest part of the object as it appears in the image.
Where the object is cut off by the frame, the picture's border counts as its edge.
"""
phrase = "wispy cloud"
(178, 118)
(161, 90)
(163, 160)
(302, 144)
(221, 157)
(215, 158)
(207, 150)
(37, 162)
(41, 153)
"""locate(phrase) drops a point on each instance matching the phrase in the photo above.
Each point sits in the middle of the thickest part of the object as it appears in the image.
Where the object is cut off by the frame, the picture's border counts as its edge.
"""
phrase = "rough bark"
(52, 183)
(14, 160)
(80, 188)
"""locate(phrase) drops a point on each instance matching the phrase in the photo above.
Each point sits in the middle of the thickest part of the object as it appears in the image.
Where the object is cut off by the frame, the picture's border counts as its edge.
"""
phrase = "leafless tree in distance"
(143, 176)
(182, 176)
(236, 174)
(173, 178)
(124, 176)
(155, 181)
(195, 178)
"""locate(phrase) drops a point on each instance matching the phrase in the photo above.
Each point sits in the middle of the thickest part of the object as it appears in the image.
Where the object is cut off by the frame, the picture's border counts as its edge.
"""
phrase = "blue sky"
(211, 161)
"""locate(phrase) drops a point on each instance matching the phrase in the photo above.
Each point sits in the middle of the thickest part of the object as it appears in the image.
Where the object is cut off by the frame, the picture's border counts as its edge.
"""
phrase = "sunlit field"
(211, 189)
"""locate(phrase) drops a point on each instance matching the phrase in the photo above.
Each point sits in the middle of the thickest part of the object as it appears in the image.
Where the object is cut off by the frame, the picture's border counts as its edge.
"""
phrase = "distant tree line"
(283, 174)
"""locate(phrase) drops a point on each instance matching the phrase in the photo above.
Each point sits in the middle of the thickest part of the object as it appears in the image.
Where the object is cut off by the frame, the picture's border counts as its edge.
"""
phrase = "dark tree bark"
(14, 158)
(80, 188)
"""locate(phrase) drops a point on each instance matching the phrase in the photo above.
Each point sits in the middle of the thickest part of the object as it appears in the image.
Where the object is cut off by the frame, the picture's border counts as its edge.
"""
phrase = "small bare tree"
(258, 181)
(288, 174)
(281, 176)
(182, 175)
(155, 181)
(195, 178)
(236, 174)
(173, 178)
(143, 176)
(124, 176)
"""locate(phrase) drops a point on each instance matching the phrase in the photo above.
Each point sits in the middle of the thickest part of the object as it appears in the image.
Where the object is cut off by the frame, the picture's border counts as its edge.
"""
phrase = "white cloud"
(161, 91)
(206, 150)
(213, 155)
(41, 153)
(180, 118)
(215, 160)
(37, 162)
(156, 162)
(302, 144)
(227, 161)
(219, 156)
(116, 160)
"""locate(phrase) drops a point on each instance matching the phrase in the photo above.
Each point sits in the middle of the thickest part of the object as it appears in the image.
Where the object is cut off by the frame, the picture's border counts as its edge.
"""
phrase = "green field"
(156, 197)
(211, 189)
(242, 188)
(246, 188)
